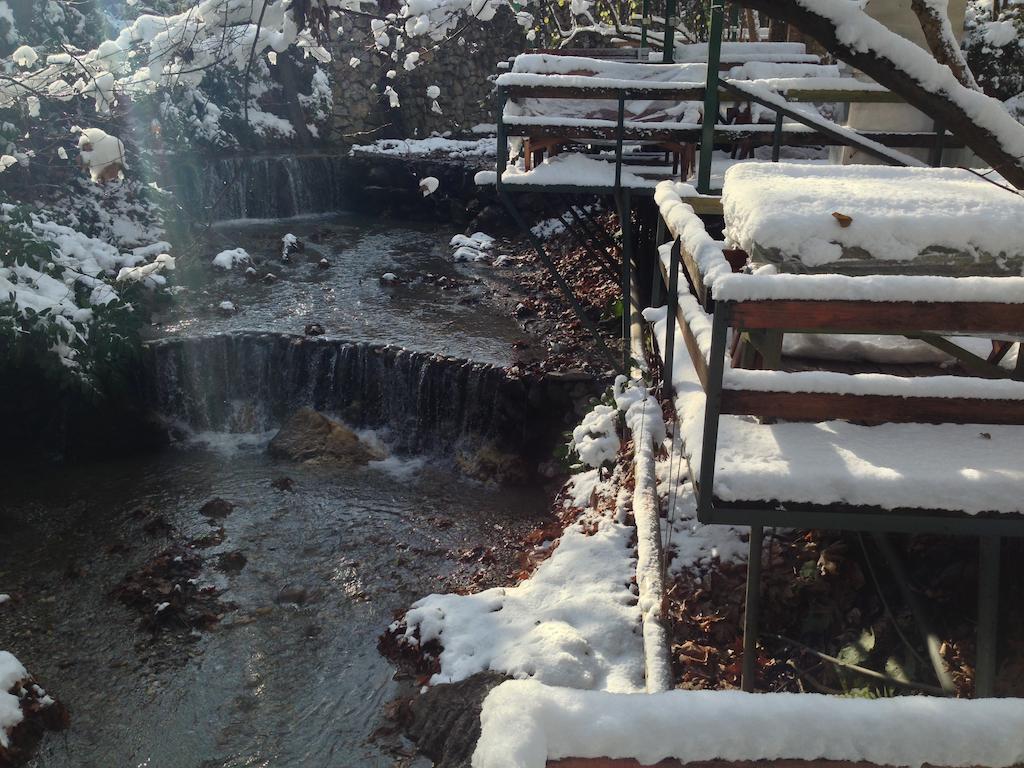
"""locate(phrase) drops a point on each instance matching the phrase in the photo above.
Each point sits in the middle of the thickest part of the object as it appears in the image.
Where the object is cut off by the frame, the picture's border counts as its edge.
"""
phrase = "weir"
(429, 403)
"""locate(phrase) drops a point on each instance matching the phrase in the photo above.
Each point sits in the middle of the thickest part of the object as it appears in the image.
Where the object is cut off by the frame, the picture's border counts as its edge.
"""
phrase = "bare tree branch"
(934, 19)
(951, 104)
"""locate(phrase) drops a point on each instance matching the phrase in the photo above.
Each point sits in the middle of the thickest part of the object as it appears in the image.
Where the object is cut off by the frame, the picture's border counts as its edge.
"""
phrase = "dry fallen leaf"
(843, 219)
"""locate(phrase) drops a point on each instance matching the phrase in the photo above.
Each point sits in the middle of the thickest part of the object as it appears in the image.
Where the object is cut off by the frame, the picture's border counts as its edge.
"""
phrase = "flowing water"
(290, 675)
(435, 306)
(280, 681)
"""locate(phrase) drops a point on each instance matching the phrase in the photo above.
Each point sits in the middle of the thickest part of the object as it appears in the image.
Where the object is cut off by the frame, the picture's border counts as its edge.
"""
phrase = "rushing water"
(280, 680)
(275, 683)
(436, 306)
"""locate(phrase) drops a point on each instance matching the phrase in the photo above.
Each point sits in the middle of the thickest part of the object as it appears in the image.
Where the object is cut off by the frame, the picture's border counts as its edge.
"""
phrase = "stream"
(289, 675)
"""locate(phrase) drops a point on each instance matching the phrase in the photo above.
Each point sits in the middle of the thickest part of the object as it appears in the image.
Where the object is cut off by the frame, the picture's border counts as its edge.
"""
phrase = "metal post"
(620, 130)
(673, 306)
(935, 153)
(707, 138)
(753, 608)
(645, 10)
(777, 138)
(712, 405)
(502, 135)
(626, 222)
(988, 617)
(657, 281)
(669, 53)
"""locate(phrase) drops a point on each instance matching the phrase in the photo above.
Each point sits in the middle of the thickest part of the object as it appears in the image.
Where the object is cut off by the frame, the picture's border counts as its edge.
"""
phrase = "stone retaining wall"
(462, 67)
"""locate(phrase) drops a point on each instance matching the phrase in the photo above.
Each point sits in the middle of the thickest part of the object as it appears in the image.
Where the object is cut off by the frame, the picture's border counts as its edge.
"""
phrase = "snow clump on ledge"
(11, 672)
(525, 724)
(231, 258)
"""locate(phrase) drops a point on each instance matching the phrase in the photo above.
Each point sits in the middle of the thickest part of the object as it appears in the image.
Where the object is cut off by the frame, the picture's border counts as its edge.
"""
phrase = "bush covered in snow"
(995, 49)
(67, 300)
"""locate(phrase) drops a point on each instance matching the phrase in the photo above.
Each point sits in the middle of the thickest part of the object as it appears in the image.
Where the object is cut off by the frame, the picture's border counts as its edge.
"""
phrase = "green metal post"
(657, 282)
(777, 138)
(668, 56)
(753, 608)
(626, 222)
(502, 135)
(712, 412)
(670, 328)
(988, 617)
(935, 153)
(645, 10)
(707, 138)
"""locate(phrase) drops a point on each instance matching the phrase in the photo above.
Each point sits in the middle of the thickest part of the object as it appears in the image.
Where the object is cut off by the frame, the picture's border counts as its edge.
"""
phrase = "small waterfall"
(262, 186)
(251, 382)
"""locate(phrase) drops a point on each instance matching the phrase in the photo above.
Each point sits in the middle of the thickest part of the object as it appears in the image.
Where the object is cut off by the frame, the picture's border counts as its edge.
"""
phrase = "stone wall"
(462, 67)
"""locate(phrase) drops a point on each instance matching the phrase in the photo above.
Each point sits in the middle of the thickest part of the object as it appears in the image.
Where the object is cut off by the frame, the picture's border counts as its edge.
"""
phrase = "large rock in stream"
(311, 436)
(446, 719)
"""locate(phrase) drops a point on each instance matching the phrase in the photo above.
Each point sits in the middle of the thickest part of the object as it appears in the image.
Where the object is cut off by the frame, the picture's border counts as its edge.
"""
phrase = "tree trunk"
(942, 42)
(937, 103)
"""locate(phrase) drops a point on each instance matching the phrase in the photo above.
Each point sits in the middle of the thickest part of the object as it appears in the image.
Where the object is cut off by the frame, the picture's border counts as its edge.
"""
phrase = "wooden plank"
(843, 517)
(870, 409)
(839, 95)
(892, 317)
(757, 135)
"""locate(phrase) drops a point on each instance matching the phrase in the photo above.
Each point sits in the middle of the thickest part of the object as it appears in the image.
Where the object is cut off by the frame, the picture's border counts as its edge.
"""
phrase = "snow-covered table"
(849, 449)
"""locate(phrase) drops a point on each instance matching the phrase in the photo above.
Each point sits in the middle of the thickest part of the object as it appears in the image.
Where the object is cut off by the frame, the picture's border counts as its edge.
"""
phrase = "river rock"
(216, 507)
(491, 464)
(311, 436)
(446, 719)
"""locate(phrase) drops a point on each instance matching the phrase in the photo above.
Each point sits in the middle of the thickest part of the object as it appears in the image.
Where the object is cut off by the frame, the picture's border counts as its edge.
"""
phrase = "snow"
(428, 185)
(570, 169)
(525, 724)
(102, 154)
(727, 286)
(11, 672)
(231, 258)
(897, 213)
(644, 419)
(956, 467)
(575, 621)
(475, 247)
(25, 56)
(596, 438)
(485, 147)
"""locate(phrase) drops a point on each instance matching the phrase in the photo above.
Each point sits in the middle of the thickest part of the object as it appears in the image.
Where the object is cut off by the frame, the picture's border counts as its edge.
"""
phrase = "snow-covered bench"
(849, 447)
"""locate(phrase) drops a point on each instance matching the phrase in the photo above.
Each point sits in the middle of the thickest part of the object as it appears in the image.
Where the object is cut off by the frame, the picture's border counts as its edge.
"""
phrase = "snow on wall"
(525, 724)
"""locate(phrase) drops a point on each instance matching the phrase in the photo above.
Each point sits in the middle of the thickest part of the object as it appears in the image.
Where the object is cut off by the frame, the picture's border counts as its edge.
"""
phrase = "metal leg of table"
(988, 617)
(753, 608)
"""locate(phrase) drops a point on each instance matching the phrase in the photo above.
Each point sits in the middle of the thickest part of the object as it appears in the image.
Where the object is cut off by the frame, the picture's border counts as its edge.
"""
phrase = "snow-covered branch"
(843, 28)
